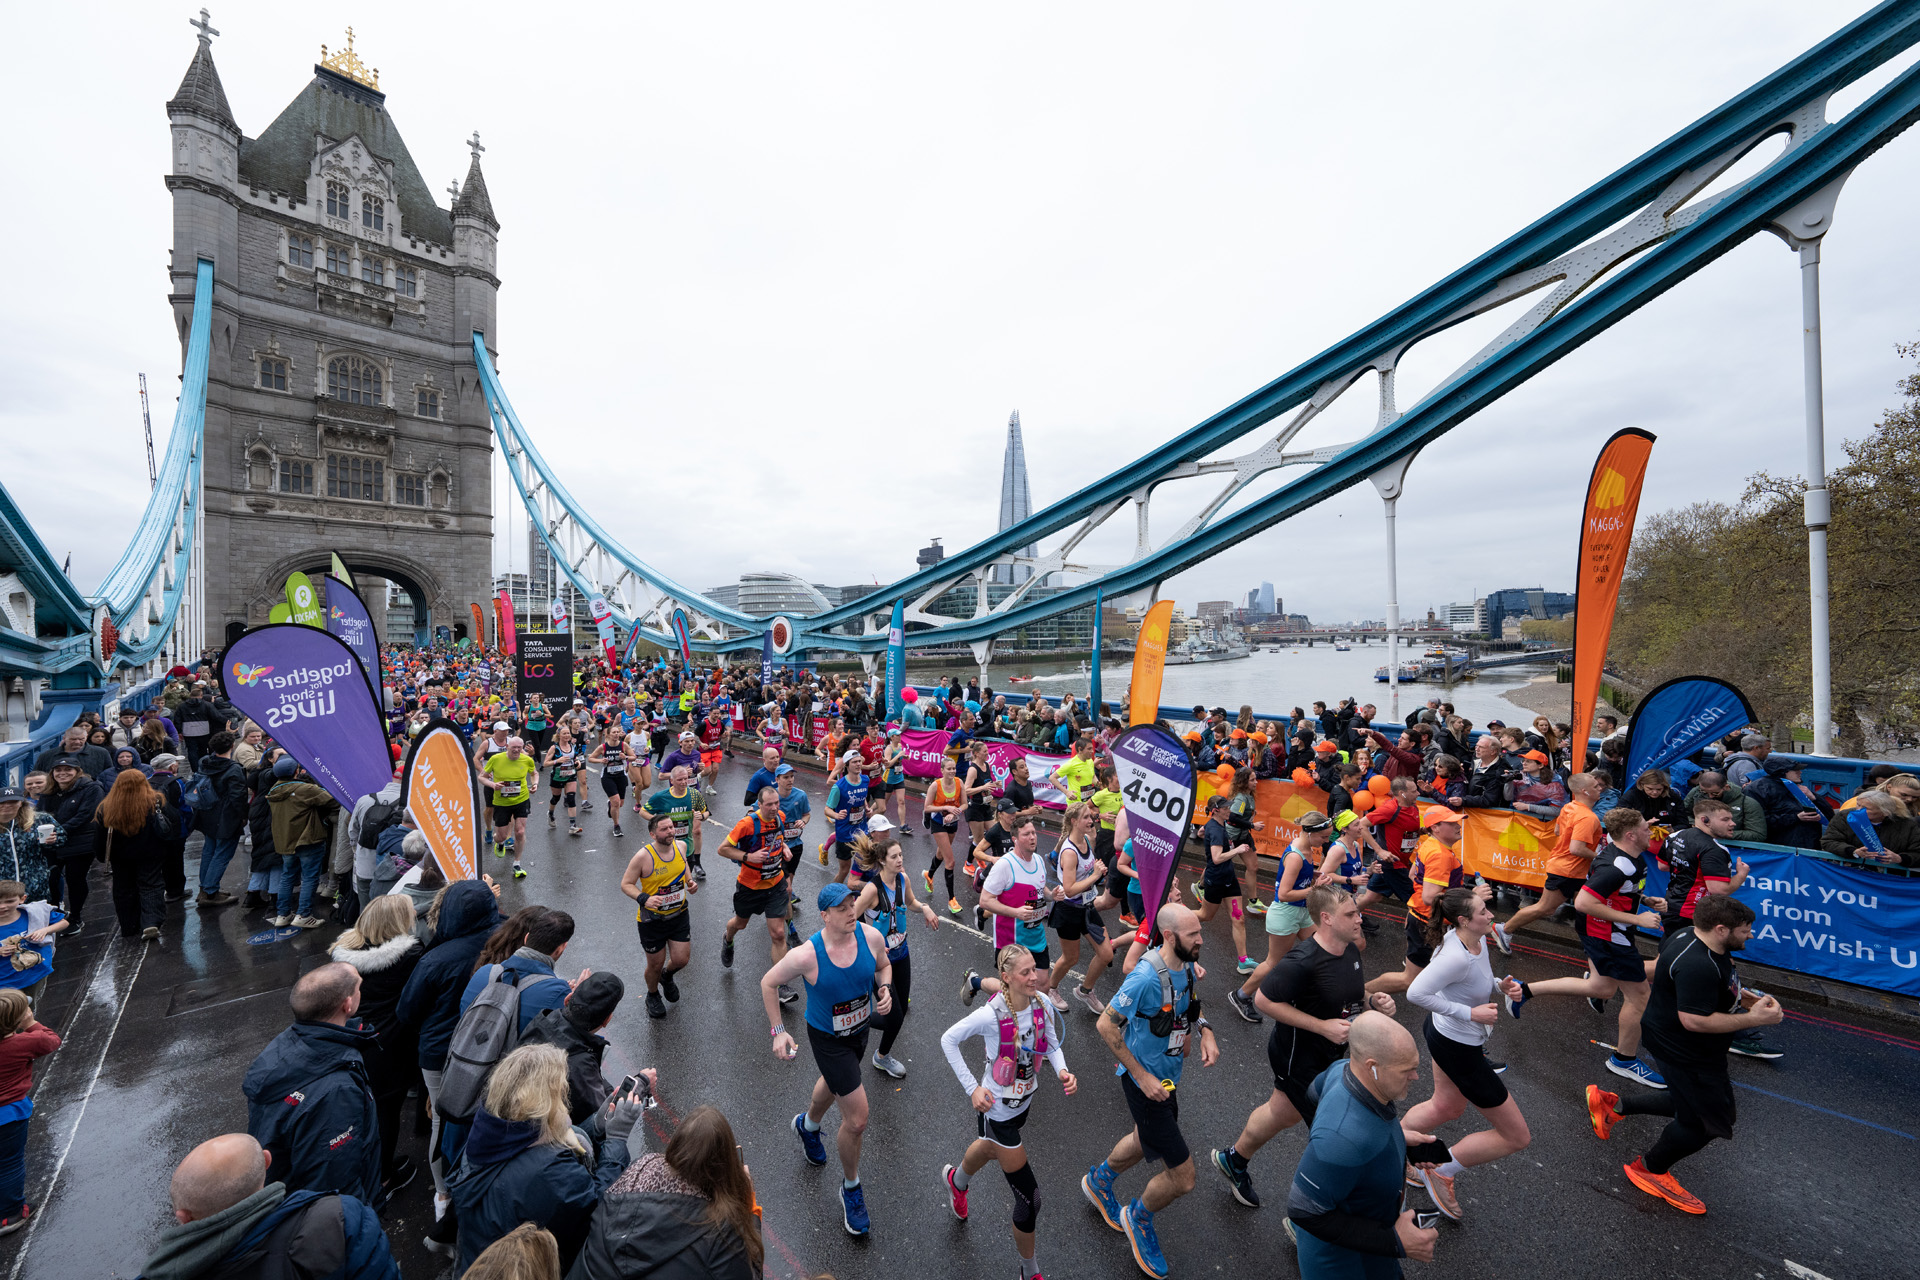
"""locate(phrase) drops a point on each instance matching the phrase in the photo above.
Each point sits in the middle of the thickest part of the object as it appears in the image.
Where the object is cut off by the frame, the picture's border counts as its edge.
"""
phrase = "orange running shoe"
(1600, 1110)
(1664, 1186)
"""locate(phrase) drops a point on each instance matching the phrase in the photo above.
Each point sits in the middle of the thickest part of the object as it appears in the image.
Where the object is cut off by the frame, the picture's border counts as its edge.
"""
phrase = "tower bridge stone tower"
(343, 409)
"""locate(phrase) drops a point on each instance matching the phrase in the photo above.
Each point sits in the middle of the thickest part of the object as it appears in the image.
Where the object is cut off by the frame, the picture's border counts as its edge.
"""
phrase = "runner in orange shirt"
(1436, 869)
(1577, 835)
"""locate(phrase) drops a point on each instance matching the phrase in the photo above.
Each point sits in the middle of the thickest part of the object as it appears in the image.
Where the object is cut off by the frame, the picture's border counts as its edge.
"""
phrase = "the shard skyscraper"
(1016, 500)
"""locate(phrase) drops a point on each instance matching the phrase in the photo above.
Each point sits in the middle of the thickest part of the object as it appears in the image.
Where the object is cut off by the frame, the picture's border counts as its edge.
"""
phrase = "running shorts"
(1419, 952)
(1219, 890)
(1284, 918)
(1076, 919)
(505, 813)
(1158, 1124)
(839, 1058)
(979, 811)
(1611, 960)
(655, 934)
(770, 902)
(1702, 1094)
(1467, 1066)
(1004, 1133)
(1392, 882)
(710, 757)
(1297, 1062)
(1568, 887)
(613, 784)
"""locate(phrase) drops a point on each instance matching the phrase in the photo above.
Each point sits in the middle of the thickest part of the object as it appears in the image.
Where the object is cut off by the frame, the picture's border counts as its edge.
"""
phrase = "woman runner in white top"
(1073, 915)
(1002, 1099)
(1457, 990)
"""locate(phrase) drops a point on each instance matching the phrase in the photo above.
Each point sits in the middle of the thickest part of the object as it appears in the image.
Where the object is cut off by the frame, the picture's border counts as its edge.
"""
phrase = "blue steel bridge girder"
(1593, 261)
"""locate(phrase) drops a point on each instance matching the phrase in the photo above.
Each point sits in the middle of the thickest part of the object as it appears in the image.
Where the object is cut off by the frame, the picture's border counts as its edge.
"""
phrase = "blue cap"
(832, 895)
(785, 768)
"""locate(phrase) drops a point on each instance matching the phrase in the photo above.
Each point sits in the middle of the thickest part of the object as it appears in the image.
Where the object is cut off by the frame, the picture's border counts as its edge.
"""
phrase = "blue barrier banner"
(896, 659)
(1827, 919)
(1681, 717)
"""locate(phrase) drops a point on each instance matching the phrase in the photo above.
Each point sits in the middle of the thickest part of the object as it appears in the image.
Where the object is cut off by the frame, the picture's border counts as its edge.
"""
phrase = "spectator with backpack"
(230, 1221)
(310, 1095)
(529, 973)
(218, 798)
(165, 779)
(371, 815)
(381, 946)
(430, 1002)
(575, 1027)
(263, 863)
(302, 810)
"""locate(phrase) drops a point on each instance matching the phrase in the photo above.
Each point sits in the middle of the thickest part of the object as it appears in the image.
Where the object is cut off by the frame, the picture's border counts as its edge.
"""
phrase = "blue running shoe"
(1138, 1224)
(810, 1139)
(1636, 1070)
(1097, 1185)
(853, 1205)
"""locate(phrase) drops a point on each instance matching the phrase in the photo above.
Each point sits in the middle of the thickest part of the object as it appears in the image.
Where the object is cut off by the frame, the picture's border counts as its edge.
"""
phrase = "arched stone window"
(353, 380)
(337, 202)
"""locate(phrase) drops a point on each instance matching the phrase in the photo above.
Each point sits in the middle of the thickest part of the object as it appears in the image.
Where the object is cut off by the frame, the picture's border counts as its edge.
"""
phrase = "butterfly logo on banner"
(247, 675)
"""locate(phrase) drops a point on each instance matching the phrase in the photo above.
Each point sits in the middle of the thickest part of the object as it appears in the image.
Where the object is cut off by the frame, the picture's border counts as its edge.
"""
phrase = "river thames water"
(1270, 682)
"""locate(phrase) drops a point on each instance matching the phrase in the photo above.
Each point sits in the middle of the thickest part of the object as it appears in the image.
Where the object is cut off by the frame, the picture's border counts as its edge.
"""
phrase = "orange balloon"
(1302, 777)
(1379, 785)
(1225, 772)
(1363, 802)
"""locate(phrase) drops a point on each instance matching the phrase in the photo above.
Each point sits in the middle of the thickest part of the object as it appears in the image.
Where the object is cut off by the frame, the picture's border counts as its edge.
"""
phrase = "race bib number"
(509, 790)
(851, 1015)
(791, 832)
(1177, 1040)
(1024, 1081)
(669, 900)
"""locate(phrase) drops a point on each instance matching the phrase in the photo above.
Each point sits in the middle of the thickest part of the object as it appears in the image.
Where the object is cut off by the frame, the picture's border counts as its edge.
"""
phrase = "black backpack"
(310, 1243)
(379, 816)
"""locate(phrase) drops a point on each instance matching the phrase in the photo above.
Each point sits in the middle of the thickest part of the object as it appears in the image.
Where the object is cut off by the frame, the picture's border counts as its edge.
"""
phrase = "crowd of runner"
(432, 993)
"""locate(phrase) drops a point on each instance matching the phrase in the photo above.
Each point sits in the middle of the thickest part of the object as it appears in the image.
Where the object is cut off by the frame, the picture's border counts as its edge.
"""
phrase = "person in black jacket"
(685, 1215)
(382, 948)
(309, 1094)
(136, 825)
(1487, 780)
(263, 866)
(199, 721)
(575, 1027)
(73, 802)
(430, 1002)
(223, 825)
(1795, 816)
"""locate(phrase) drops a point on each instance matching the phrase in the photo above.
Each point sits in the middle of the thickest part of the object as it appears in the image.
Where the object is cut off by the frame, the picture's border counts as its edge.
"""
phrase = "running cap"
(1434, 814)
(594, 1000)
(501, 726)
(1314, 820)
(1193, 735)
(783, 769)
(687, 735)
(878, 823)
(832, 895)
(853, 757)
(1006, 805)
(1325, 745)
(1259, 737)
(894, 731)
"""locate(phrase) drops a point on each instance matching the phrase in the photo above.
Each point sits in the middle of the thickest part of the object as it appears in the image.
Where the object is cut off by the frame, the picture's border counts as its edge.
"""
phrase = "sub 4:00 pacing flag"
(1157, 784)
(440, 790)
(307, 690)
(1606, 529)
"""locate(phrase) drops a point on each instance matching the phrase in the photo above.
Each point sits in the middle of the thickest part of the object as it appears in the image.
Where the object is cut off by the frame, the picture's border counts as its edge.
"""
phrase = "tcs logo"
(536, 670)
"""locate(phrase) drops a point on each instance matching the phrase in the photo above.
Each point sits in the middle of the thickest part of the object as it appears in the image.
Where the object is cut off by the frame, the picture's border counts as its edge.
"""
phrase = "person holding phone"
(1456, 989)
(1696, 1008)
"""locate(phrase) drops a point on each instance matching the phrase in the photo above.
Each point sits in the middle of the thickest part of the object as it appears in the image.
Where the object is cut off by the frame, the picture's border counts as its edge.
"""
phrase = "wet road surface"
(1821, 1178)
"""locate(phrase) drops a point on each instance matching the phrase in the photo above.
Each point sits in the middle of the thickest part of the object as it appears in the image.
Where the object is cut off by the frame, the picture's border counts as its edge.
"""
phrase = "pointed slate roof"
(200, 89)
(338, 108)
(473, 201)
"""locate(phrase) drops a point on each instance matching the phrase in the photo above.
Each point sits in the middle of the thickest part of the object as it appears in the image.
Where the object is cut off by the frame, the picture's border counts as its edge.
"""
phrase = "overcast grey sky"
(774, 275)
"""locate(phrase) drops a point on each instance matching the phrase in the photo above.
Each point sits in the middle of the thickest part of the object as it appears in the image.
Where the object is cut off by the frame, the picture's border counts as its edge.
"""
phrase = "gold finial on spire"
(348, 64)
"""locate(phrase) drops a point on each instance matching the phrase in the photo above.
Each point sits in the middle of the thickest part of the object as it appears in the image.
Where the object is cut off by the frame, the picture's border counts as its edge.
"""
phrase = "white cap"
(500, 726)
(878, 822)
(851, 756)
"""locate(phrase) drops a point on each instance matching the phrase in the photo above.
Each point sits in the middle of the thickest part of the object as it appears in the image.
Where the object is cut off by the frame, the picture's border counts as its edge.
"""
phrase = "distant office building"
(932, 554)
(1467, 617)
(1216, 611)
(1016, 501)
(1070, 630)
(1531, 602)
(1261, 600)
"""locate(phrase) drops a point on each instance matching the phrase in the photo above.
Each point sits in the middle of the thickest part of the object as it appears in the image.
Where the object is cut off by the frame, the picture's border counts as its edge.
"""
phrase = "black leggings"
(939, 864)
(1701, 1104)
(139, 894)
(76, 877)
(897, 1011)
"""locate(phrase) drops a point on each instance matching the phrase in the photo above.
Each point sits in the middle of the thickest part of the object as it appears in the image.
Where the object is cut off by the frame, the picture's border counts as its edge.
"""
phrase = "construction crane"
(146, 420)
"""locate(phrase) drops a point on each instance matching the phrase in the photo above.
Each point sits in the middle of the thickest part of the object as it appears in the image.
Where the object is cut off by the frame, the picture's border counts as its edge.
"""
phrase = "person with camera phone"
(848, 980)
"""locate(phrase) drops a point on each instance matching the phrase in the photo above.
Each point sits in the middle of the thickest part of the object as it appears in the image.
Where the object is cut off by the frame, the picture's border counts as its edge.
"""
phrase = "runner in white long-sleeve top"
(1020, 1028)
(1457, 990)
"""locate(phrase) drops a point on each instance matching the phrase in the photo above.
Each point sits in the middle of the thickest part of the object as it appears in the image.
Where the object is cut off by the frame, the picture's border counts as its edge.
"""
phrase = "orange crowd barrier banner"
(1277, 806)
(1606, 529)
(439, 789)
(1506, 846)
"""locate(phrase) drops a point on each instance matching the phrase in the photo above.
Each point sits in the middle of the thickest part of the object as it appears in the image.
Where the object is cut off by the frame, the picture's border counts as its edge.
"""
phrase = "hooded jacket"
(1749, 819)
(587, 1087)
(24, 858)
(355, 1249)
(659, 1235)
(508, 1176)
(540, 988)
(430, 1003)
(1783, 810)
(73, 809)
(310, 1102)
(230, 782)
(299, 814)
(384, 971)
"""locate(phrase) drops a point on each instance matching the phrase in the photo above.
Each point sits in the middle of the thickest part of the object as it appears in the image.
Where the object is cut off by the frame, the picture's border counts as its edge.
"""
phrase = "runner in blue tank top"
(849, 980)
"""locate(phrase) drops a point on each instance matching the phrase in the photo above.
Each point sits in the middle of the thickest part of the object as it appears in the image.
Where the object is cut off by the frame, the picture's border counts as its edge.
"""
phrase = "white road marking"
(33, 1224)
(1801, 1273)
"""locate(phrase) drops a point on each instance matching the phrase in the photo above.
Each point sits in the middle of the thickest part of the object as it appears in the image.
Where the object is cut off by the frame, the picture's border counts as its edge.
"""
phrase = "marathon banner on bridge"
(925, 748)
(1149, 664)
(503, 608)
(304, 601)
(349, 618)
(1827, 919)
(896, 658)
(546, 666)
(766, 658)
(602, 614)
(441, 790)
(1681, 717)
(1157, 790)
(479, 624)
(1278, 804)
(305, 687)
(682, 636)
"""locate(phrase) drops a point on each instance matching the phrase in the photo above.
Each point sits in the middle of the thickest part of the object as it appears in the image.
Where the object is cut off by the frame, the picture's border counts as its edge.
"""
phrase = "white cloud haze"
(774, 275)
